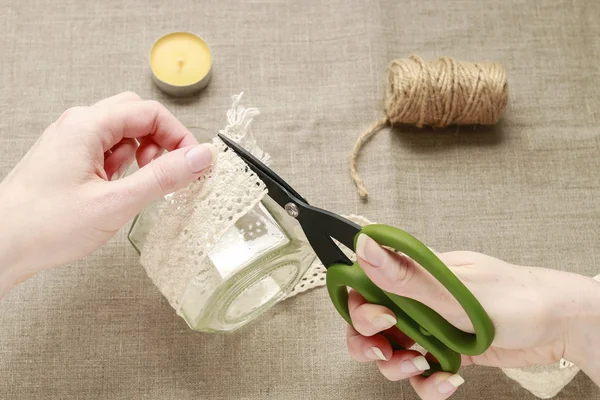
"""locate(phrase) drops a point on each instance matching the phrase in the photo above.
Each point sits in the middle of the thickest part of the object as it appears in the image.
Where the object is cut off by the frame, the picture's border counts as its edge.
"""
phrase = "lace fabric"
(194, 219)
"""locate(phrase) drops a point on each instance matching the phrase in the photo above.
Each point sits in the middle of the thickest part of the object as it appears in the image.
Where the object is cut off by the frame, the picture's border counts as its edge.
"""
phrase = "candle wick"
(180, 62)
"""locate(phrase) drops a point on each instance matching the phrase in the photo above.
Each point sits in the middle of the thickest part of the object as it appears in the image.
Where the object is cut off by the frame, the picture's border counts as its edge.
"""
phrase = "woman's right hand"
(540, 315)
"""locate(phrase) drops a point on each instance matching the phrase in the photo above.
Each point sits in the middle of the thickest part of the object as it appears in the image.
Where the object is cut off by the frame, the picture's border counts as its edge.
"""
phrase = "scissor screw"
(292, 210)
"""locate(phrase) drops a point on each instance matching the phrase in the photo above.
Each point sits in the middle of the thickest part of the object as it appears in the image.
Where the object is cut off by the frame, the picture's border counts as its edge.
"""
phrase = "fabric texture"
(525, 190)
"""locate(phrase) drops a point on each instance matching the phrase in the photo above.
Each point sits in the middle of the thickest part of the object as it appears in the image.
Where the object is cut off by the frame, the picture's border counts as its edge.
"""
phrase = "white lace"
(194, 219)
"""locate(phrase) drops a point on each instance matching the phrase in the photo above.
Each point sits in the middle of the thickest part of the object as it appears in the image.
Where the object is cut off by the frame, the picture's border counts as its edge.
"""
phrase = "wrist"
(11, 272)
(8, 279)
(582, 325)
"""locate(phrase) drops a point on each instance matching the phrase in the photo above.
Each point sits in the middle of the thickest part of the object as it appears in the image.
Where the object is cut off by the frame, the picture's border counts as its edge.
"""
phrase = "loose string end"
(360, 142)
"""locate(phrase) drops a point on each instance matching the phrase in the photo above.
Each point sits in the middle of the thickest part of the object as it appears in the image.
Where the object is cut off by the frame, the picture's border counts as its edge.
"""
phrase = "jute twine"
(438, 94)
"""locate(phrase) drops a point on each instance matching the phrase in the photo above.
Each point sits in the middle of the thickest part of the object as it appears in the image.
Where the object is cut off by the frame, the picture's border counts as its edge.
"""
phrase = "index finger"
(140, 119)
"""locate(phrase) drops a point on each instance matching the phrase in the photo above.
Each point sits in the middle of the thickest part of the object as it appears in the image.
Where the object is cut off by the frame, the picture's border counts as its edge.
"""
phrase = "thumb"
(168, 173)
(399, 274)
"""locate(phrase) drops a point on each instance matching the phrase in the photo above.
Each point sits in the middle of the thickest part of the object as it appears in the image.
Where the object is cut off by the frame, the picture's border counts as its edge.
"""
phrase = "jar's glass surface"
(254, 265)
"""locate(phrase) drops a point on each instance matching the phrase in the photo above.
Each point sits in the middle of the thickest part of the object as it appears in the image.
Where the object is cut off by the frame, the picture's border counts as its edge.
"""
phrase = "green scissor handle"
(417, 321)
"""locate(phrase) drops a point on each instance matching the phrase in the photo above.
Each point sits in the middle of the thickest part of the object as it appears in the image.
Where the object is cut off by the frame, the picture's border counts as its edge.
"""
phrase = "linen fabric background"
(526, 190)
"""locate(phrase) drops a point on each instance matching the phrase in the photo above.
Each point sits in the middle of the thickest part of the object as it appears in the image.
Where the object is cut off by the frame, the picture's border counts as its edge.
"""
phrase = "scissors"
(420, 323)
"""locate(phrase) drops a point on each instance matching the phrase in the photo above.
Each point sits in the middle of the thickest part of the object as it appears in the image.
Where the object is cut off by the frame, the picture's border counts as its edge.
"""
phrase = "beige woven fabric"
(527, 190)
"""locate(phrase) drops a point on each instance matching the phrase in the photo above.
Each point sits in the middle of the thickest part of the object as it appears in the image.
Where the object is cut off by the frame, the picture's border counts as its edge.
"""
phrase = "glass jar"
(253, 266)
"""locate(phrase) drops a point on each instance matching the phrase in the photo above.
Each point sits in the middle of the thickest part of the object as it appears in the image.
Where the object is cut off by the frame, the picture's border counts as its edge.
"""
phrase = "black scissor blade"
(321, 227)
(330, 224)
(266, 174)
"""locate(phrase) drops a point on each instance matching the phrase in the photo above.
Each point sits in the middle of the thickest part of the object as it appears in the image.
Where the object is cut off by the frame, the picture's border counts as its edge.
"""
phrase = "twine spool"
(438, 94)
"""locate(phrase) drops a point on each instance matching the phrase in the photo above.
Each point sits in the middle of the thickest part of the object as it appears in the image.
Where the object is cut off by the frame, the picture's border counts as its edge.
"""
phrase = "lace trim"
(194, 219)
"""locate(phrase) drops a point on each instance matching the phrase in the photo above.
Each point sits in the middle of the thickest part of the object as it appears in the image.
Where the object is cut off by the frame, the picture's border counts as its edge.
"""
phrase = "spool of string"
(438, 94)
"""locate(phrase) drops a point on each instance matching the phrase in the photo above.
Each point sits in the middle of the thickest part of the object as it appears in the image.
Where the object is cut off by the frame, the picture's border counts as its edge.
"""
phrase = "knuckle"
(71, 115)
(360, 320)
(156, 110)
(131, 95)
(349, 344)
(354, 300)
(404, 269)
(164, 180)
(354, 313)
(352, 341)
(154, 105)
(387, 372)
(353, 349)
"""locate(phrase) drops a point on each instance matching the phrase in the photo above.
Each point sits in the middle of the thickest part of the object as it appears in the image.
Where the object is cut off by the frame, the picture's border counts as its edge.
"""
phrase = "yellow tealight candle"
(181, 63)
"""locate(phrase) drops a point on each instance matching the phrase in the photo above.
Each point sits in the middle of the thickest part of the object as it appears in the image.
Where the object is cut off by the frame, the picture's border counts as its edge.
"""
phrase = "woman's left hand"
(64, 200)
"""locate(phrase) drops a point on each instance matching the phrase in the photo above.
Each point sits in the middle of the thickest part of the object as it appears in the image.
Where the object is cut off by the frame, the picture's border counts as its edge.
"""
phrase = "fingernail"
(123, 170)
(450, 384)
(120, 172)
(417, 364)
(384, 321)
(370, 251)
(374, 353)
(200, 157)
